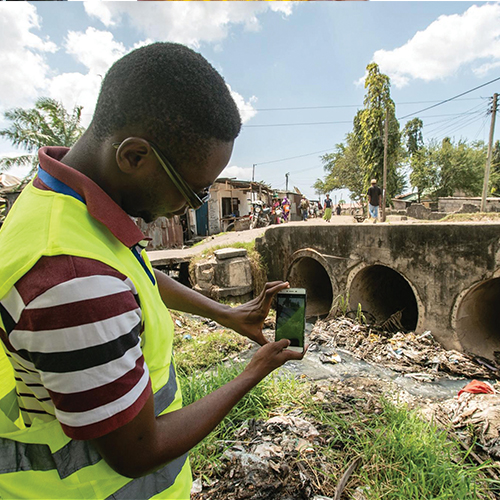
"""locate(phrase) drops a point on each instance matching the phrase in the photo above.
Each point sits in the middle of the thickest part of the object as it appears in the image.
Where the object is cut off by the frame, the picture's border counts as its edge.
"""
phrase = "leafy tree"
(495, 169)
(423, 174)
(343, 169)
(369, 132)
(47, 124)
(460, 168)
(414, 137)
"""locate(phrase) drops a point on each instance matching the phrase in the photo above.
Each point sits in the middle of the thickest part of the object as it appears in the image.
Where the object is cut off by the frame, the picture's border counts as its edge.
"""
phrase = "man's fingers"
(282, 344)
(270, 284)
(277, 286)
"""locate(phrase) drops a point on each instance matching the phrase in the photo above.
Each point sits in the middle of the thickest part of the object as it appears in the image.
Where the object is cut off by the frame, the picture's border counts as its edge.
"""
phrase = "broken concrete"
(227, 274)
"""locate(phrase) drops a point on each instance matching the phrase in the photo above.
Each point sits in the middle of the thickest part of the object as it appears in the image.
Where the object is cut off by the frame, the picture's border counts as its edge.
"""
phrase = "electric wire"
(333, 106)
(461, 116)
(450, 99)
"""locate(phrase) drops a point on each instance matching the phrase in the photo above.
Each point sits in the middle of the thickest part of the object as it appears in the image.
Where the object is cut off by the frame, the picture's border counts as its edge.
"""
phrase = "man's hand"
(271, 356)
(248, 318)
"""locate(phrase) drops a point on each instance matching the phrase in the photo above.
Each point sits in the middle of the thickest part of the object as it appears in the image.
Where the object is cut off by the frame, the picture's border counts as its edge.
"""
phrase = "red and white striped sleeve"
(77, 323)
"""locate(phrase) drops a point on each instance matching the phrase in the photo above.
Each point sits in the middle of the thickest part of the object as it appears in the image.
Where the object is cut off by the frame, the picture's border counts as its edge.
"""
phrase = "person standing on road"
(304, 208)
(374, 198)
(338, 209)
(286, 209)
(90, 405)
(328, 208)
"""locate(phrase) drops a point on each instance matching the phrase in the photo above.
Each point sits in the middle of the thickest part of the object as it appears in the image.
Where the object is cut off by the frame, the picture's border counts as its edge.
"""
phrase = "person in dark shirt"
(374, 197)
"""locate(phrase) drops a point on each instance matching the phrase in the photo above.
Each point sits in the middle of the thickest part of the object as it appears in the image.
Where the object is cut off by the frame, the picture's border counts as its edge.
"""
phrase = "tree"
(423, 174)
(460, 167)
(495, 169)
(47, 124)
(343, 170)
(369, 132)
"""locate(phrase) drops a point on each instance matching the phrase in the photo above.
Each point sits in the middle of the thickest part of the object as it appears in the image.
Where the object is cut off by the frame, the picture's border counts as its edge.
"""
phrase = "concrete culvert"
(382, 292)
(308, 273)
(478, 319)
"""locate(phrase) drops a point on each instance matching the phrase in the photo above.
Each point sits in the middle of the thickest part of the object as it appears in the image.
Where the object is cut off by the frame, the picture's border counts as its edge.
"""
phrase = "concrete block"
(230, 253)
(234, 272)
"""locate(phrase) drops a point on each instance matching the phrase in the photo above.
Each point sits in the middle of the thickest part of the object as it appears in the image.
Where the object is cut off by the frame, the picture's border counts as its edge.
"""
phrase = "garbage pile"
(417, 356)
(474, 418)
(270, 460)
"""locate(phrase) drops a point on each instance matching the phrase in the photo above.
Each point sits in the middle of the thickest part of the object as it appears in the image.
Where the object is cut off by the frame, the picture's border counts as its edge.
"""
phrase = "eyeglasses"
(193, 199)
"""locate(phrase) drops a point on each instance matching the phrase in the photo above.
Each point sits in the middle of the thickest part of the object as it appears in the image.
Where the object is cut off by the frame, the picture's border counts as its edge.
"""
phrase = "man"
(84, 319)
(304, 207)
(328, 208)
(374, 198)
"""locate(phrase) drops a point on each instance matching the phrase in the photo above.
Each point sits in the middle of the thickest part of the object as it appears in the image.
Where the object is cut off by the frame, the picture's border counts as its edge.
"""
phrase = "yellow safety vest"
(41, 461)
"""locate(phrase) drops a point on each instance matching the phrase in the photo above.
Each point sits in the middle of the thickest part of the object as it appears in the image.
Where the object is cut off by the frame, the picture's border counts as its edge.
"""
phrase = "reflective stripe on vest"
(152, 484)
(17, 457)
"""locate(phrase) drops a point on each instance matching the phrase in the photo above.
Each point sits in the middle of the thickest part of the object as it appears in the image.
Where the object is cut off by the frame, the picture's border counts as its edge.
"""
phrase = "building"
(229, 206)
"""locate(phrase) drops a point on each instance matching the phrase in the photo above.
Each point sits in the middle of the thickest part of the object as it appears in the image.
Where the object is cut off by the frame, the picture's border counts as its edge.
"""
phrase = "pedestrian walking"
(374, 198)
(328, 209)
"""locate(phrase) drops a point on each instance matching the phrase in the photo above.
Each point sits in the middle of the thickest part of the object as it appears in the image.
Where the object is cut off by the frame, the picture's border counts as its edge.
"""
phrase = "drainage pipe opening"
(383, 292)
(478, 320)
(308, 273)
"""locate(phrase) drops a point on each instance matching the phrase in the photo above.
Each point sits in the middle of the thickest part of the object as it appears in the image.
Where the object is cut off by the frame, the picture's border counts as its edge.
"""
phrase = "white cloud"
(24, 69)
(241, 173)
(97, 50)
(99, 10)
(247, 111)
(446, 45)
(26, 74)
(190, 23)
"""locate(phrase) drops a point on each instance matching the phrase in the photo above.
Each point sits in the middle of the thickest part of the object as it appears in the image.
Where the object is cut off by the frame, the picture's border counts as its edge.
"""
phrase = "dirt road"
(238, 236)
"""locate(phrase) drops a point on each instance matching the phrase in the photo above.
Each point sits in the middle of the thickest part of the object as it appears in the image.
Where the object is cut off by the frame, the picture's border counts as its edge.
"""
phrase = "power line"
(352, 105)
(293, 157)
(460, 116)
(326, 123)
(295, 124)
(401, 118)
(450, 99)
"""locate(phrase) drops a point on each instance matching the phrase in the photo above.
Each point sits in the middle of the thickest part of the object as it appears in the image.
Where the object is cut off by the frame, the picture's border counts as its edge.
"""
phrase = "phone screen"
(291, 317)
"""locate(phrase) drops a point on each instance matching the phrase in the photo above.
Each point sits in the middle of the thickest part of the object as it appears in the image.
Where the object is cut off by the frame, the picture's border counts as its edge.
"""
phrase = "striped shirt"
(72, 332)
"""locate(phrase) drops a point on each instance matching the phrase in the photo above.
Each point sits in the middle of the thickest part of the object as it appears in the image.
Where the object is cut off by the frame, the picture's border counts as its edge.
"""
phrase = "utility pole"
(286, 177)
(488, 160)
(384, 185)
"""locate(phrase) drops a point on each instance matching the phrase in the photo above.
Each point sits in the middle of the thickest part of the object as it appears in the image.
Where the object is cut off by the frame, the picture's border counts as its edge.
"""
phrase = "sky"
(295, 69)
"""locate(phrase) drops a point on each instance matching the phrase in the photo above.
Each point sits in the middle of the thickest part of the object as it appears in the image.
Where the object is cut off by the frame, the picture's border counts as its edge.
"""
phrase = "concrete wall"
(455, 204)
(443, 277)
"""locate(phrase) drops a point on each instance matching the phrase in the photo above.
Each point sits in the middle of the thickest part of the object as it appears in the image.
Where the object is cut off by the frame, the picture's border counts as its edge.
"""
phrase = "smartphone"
(291, 317)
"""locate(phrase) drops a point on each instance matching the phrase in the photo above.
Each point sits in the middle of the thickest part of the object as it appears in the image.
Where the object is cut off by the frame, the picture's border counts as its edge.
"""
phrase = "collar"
(99, 204)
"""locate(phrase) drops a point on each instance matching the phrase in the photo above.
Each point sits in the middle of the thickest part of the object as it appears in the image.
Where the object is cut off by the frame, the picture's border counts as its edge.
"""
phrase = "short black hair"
(173, 95)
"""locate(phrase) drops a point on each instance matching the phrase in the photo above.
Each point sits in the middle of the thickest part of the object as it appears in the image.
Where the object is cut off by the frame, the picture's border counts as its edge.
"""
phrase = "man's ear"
(133, 155)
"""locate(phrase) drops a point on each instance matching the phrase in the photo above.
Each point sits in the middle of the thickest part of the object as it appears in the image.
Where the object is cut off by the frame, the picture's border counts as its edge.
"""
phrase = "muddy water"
(442, 387)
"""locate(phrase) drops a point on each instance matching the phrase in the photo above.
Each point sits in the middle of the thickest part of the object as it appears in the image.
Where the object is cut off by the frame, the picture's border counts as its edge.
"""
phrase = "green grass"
(272, 392)
(206, 349)
(403, 457)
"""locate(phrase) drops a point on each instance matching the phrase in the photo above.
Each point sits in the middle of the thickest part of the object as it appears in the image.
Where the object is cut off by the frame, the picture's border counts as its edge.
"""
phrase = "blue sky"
(272, 55)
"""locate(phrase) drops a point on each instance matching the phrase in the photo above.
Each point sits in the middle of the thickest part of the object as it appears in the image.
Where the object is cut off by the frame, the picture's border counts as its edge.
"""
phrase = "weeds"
(340, 306)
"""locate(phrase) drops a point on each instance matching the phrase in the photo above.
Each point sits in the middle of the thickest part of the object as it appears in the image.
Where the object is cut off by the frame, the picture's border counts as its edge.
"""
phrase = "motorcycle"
(260, 216)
